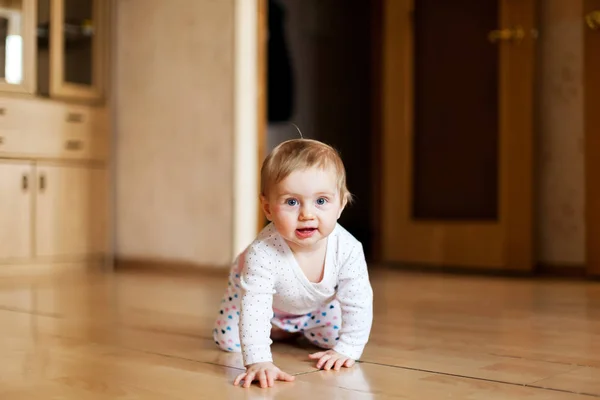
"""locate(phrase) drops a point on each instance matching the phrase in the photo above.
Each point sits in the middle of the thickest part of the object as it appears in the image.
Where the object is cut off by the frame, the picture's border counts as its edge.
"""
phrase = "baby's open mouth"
(305, 232)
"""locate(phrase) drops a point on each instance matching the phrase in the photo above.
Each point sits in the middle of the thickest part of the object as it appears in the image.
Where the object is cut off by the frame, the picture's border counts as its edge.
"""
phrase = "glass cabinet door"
(77, 49)
(17, 46)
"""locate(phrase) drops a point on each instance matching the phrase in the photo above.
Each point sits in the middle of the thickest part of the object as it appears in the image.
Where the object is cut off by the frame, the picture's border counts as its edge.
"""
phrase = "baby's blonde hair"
(298, 154)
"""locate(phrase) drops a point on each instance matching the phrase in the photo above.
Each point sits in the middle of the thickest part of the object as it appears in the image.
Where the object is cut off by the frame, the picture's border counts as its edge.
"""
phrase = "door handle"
(592, 19)
(509, 34)
(25, 182)
(42, 182)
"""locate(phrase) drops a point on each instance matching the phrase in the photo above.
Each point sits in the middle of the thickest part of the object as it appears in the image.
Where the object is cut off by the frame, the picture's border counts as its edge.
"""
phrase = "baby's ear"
(266, 207)
(344, 202)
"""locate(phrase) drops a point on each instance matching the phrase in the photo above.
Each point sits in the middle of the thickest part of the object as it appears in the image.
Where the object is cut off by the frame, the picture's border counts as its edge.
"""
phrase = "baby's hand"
(331, 358)
(265, 372)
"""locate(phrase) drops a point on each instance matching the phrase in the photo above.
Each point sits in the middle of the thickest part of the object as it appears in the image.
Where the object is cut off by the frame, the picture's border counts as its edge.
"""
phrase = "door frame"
(591, 88)
(262, 22)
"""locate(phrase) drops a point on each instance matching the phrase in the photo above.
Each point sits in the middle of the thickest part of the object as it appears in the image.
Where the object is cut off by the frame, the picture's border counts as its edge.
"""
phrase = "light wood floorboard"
(70, 332)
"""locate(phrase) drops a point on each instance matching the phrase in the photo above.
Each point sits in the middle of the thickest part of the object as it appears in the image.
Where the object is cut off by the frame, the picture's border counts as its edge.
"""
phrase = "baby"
(303, 274)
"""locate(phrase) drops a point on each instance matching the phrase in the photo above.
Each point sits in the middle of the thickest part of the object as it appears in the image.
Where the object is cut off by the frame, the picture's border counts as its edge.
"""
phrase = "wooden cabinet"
(54, 131)
(52, 211)
(15, 210)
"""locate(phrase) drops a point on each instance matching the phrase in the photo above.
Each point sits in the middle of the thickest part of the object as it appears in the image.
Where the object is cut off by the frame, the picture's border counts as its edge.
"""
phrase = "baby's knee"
(225, 342)
(227, 347)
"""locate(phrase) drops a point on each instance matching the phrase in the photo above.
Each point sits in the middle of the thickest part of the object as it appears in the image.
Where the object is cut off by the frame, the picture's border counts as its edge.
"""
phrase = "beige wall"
(560, 206)
(174, 94)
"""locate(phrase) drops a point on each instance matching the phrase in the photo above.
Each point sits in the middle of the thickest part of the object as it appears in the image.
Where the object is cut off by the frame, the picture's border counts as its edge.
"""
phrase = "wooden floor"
(70, 334)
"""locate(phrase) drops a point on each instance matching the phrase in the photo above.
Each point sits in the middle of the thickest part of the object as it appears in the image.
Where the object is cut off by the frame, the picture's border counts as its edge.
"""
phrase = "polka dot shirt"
(272, 279)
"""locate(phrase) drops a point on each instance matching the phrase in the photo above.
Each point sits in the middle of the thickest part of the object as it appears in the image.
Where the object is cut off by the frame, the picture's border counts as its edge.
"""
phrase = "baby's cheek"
(284, 216)
(284, 211)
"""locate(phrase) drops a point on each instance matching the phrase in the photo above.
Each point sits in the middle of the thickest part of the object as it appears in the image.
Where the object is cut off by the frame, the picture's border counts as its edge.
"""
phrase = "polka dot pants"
(320, 327)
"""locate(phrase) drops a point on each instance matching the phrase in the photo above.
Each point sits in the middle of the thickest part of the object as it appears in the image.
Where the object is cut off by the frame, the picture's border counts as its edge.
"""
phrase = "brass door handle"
(510, 34)
(592, 19)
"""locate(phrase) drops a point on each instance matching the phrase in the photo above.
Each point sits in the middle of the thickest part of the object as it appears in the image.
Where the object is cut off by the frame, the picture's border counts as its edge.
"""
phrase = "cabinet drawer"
(82, 134)
(15, 140)
(76, 122)
(51, 129)
(73, 146)
(11, 115)
(14, 134)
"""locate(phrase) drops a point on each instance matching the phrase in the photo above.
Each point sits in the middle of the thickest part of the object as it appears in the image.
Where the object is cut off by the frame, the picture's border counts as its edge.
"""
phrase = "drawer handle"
(25, 182)
(74, 145)
(42, 182)
(74, 117)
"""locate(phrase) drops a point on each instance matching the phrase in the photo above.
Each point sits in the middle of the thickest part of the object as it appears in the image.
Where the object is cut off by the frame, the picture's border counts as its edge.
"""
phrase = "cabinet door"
(77, 49)
(63, 210)
(15, 211)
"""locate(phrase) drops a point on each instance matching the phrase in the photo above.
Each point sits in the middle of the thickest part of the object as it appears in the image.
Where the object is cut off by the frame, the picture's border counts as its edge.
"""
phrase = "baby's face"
(305, 207)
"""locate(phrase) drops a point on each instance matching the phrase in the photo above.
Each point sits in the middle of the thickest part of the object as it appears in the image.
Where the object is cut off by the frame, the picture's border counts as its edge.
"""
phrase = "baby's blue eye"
(321, 201)
(292, 202)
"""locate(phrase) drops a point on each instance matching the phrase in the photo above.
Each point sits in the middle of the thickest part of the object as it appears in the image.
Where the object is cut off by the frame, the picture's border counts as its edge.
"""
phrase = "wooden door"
(15, 210)
(458, 133)
(63, 210)
(591, 20)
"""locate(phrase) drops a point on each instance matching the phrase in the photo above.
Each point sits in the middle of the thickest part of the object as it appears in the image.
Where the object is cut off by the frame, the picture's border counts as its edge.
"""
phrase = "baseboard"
(541, 270)
(457, 270)
(562, 270)
(166, 266)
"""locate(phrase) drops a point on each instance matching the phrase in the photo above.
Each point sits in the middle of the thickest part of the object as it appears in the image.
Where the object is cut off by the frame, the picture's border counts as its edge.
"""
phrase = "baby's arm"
(356, 301)
(257, 284)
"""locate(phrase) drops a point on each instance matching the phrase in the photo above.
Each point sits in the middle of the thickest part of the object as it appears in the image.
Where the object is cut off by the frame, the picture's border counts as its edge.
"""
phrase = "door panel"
(591, 20)
(458, 133)
(455, 168)
(63, 211)
(16, 187)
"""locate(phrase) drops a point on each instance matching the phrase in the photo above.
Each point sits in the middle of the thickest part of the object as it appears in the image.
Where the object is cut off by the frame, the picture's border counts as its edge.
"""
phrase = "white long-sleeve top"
(271, 279)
